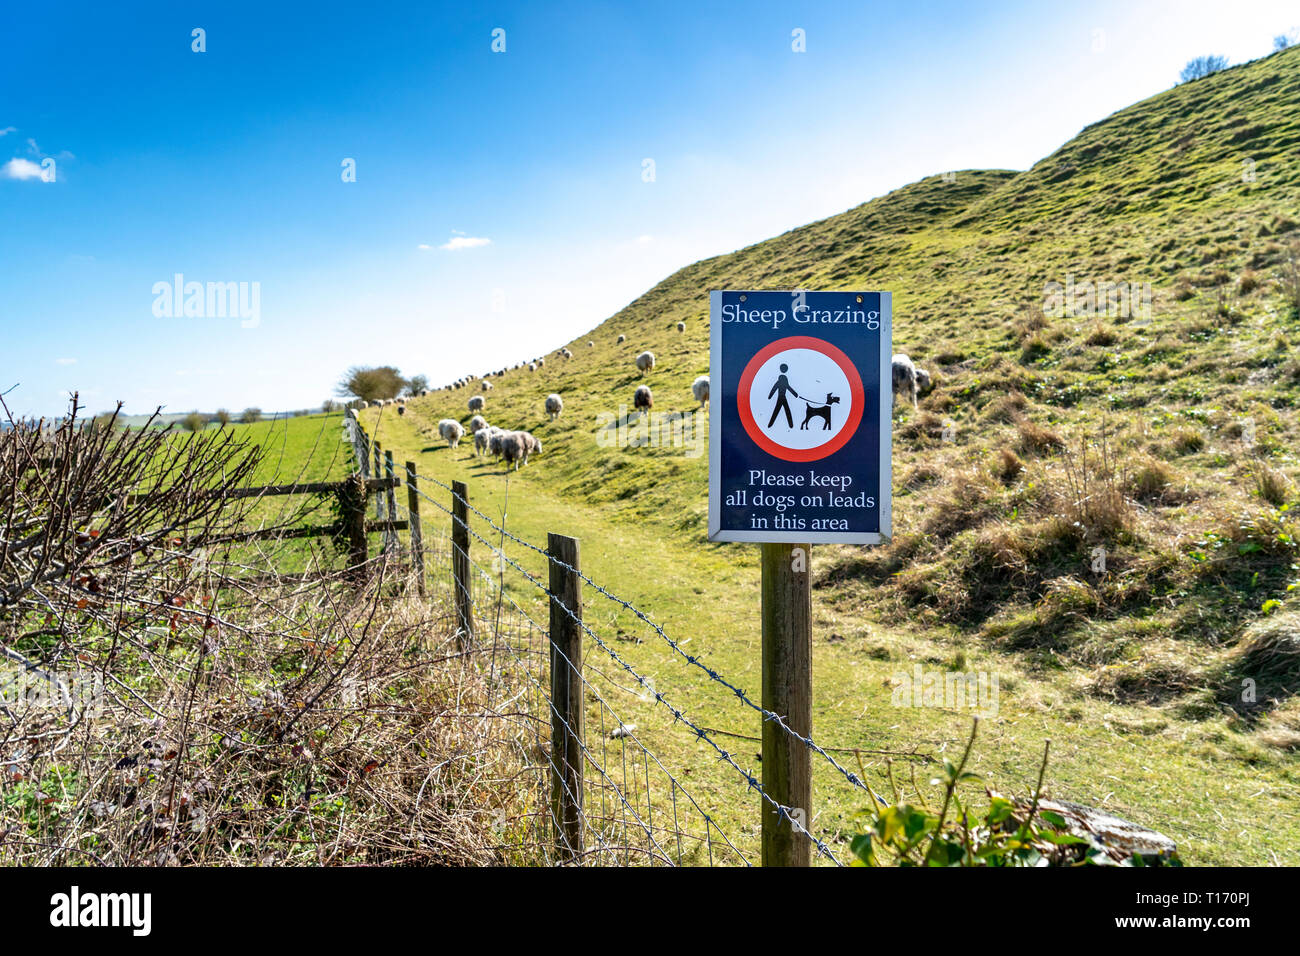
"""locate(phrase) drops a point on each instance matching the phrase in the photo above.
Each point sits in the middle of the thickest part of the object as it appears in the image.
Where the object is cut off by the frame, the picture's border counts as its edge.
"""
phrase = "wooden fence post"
(567, 700)
(417, 534)
(787, 691)
(354, 520)
(460, 563)
(379, 471)
(390, 537)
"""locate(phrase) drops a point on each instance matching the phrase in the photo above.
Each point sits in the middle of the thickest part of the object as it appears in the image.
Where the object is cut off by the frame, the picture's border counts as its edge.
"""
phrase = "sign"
(799, 433)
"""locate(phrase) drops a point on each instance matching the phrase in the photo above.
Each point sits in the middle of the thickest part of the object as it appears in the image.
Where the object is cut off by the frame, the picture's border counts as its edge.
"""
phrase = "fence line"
(635, 810)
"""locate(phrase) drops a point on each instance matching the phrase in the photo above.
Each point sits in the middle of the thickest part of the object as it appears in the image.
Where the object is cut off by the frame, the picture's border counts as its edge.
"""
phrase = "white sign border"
(884, 494)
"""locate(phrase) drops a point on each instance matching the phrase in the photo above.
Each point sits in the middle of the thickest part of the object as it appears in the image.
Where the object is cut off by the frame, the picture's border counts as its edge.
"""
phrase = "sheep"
(591, 345)
(621, 339)
(401, 410)
(363, 404)
(477, 424)
(540, 361)
(923, 381)
(645, 361)
(451, 430)
(517, 446)
(485, 385)
(554, 405)
(476, 403)
(483, 439)
(494, 442)
(908, 380)
(681, 326)
(565, 353)
(641, 398)
(532, 366)
(700, 389)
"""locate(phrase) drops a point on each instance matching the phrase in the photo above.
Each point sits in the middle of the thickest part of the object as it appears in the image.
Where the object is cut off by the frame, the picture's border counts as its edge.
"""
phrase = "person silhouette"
(782, 387)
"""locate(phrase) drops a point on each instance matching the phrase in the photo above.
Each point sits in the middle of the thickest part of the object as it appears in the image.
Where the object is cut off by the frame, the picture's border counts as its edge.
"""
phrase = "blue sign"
(799, 431)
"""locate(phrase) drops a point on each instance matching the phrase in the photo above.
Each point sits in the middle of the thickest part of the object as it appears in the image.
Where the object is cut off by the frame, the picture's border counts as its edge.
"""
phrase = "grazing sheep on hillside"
(681, 326)
(517, 446)
(401, 410)
(477, 424)
(494, 442)
(923, 381)
(485, 385)
(451, 431)
(483, 439)
(554, 405)
(645, 361)
(642, 399)
(621, 339)
(476, 403)
(565, 353)
(909, 381)
(541, 362)
(700, 389)
(591, 345)
(532, 366)
(363, 404)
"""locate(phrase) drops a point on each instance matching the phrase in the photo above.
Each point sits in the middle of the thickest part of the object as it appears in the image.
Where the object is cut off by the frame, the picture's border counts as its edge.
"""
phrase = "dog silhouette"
(820, 411)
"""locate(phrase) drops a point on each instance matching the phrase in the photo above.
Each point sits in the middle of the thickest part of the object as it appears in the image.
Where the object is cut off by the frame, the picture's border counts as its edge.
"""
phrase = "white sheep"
(554, 405)
(483, 439)
(517, 446)
(700, 389)
(642, 399)
(645, 361)
(451, 430)
(476, 403)
(477, 424)
(681, 326)
(532, 366)
(621, 339)
(908, 380)
(363, 404)
(485, 385)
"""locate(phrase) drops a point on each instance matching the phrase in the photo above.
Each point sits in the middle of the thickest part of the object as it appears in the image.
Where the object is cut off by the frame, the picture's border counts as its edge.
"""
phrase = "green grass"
(1124, 671)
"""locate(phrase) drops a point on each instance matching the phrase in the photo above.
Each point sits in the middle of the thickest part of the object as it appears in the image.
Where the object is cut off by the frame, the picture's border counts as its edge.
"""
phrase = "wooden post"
(354, 519)
(390, 537)
(460, 563)
(787, 691)
(417, 535)
(379, 471)
(566, 696)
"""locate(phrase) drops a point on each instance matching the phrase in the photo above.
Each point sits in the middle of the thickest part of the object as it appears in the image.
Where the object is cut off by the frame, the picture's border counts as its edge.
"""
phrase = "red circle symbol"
(857, 400)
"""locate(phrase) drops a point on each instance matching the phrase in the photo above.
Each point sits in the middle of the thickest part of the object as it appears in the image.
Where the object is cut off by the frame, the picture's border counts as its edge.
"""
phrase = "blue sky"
(225, 165)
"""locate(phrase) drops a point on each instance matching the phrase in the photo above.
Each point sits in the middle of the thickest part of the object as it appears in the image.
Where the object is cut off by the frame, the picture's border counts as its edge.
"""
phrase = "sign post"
(799, 453)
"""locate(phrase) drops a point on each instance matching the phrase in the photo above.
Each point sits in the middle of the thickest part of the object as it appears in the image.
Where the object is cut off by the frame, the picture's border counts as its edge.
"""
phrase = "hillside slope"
(1164, 436)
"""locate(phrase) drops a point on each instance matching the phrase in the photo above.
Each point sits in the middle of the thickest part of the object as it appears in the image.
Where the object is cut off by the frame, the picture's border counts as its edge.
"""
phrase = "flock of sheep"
(514, 447)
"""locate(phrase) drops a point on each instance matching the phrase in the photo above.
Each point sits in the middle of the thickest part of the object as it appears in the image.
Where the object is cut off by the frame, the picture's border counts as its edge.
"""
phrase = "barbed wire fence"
(618, 802)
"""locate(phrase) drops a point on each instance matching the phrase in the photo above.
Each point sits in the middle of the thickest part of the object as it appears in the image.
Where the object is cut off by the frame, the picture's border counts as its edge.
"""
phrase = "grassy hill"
(1164, 435)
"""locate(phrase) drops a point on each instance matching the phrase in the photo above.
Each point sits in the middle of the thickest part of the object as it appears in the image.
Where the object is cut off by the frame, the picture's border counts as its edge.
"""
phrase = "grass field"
(1135, 673)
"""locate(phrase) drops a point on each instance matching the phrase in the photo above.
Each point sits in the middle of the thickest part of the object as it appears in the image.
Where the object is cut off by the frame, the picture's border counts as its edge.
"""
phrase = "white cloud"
(642, 240)
(424, 245)
(7, 130)
(464, 242)
(65, 361)
(18, 168)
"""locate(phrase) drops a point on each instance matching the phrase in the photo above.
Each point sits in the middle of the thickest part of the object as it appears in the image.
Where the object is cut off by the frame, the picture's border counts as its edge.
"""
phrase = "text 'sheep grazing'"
(807, 490)
(77, 909)
(732, 312)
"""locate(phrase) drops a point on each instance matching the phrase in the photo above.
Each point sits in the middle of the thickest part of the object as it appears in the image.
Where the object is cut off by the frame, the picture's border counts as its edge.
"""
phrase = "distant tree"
(104, 420)
(193, 422)
(1202, 66)
(417, 384)
(250, 415)
(1282, 41)
(223, 417)
(372, 383)
(329, 406)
